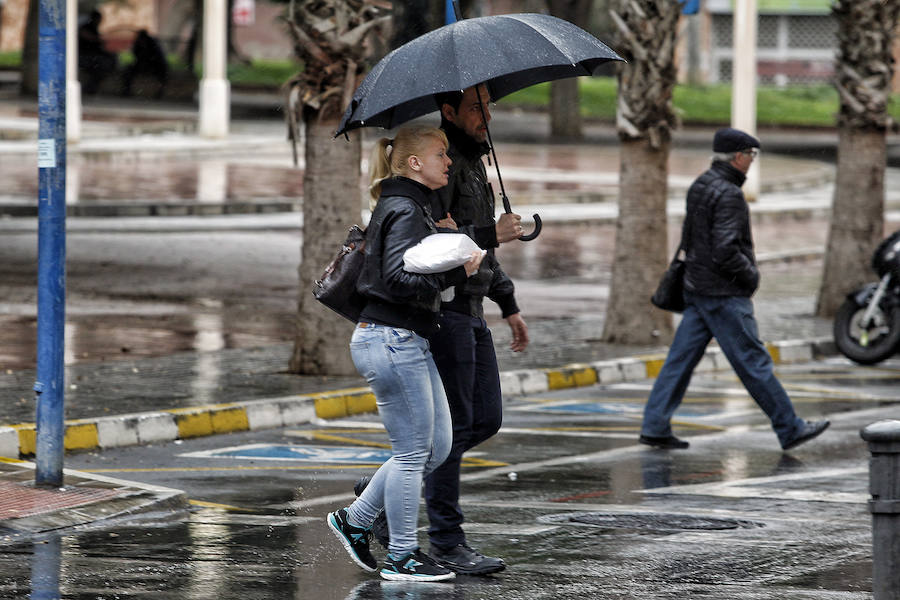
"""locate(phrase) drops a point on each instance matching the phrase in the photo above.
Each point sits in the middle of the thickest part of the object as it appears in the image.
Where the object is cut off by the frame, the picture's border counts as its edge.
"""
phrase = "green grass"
(263, 73)
(10, 60)
(806, 106)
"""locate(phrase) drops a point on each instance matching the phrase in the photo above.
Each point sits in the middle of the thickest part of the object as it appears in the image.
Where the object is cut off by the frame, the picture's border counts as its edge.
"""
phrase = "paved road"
(563, 493)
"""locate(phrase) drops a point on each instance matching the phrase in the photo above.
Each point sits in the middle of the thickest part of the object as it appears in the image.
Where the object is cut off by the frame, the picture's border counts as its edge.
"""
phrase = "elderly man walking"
(720, 277)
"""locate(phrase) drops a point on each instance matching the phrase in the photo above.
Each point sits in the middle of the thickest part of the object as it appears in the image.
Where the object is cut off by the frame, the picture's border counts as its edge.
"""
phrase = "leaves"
(647, 31)
(333, 38)
(864, 62)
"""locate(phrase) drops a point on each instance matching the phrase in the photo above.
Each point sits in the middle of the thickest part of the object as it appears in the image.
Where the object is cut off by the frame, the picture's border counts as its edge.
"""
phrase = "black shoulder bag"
(669, 294)
(336, 288)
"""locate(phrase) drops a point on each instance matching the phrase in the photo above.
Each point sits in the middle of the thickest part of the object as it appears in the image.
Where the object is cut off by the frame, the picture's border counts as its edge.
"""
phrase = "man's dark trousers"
(731, 321)
(463, 351)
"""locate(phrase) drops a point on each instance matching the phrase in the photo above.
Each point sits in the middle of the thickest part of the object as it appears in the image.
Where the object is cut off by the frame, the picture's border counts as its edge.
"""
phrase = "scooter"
(867, 325)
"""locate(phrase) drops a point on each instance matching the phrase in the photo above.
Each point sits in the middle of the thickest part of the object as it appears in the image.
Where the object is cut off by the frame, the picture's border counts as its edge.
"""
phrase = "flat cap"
(729, 139)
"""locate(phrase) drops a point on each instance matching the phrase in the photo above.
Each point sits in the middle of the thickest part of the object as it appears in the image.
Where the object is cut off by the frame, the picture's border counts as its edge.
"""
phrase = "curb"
(183, 423)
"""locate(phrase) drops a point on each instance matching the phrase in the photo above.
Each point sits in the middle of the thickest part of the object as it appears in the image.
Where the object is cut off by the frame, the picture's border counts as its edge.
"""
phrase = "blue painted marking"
(331, 454)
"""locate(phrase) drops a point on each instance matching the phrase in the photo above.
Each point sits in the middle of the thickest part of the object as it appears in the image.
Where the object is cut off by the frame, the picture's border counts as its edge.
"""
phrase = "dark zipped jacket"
(719, 245)
(395, 297)
(469, 200)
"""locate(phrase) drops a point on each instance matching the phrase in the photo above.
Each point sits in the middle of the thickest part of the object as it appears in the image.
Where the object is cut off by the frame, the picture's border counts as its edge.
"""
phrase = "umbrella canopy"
(507, 52)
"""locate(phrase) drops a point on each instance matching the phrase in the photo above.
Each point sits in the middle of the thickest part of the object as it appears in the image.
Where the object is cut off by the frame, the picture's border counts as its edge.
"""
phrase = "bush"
(805, 106)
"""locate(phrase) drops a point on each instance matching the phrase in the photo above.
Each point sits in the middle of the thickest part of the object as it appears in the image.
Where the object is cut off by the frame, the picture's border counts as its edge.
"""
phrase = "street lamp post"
(49, 385)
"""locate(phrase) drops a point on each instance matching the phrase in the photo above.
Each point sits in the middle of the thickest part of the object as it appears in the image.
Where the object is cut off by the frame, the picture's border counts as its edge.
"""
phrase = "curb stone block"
(117, 431)
(510, 385)
(608, 371)
(533, 382)
(576, 375)
(794, 351)
(9, 442)
(633, 368)
(263, 415)
(294, 412)
(158, 427)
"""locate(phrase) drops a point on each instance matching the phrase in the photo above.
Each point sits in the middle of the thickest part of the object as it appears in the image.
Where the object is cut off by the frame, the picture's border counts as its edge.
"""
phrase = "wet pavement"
(564, 494)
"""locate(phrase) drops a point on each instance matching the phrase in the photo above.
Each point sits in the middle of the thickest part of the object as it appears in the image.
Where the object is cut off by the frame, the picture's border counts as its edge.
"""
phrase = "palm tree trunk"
(640, 249)
(332, 201)
(857, 219)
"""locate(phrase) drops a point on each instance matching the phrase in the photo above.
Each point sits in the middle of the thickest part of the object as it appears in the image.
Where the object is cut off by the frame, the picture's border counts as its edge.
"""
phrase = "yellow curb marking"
(574, 376)
(344, 405)
(654, 366)
(81, 436)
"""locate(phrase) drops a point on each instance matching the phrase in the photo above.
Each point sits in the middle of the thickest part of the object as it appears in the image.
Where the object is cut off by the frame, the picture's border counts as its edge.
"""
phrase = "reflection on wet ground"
(577, 509)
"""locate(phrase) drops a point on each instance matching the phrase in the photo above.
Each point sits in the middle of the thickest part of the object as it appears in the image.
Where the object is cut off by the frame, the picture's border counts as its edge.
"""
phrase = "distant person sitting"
(95, 62)
(149, 60)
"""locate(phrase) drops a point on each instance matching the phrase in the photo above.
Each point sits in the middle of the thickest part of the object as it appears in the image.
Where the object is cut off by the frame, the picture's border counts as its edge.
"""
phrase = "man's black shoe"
(806, 432)
(380, 526)
(464, 560)
(669, 442)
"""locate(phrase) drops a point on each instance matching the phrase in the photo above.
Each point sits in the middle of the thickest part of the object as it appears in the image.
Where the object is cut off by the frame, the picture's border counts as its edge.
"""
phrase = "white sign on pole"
(244, 12)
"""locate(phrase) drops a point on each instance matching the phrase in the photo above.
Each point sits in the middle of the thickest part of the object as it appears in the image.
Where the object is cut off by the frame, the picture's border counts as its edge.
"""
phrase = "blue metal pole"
(49, 386)
(450, 12)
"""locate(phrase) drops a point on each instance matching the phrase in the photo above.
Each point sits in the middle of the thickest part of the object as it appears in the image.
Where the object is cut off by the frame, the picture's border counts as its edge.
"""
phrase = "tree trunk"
(565, 101)
(331, 204)
(864, 68)
(30, 75)
(644, 120)
(857, 218)
(565, 110)
(641, 252)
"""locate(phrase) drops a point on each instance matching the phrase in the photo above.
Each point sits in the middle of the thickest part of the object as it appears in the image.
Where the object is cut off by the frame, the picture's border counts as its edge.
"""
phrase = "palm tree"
(645, 119)
(330, 37)
(864, 69)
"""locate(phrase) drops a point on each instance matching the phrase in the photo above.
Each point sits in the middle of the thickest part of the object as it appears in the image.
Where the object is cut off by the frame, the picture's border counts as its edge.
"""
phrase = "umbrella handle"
(536, 232)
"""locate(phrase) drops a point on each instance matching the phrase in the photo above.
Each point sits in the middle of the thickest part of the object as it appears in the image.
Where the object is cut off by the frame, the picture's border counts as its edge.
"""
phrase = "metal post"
(743, 85)
(73, 86)
(215, 89)
(884, 485)
(51, 242)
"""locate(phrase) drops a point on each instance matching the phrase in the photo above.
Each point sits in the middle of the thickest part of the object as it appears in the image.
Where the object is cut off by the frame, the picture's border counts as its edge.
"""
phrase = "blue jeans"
(398, 365)
(464, 354)
(730, 320)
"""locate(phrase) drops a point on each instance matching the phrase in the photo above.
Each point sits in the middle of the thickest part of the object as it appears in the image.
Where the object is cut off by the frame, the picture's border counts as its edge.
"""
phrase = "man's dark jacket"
(717, 237)
(469, 200)
(395, 297)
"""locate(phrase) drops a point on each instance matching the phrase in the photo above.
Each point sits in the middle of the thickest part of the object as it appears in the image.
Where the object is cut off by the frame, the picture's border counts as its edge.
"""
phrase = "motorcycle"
(867, 325)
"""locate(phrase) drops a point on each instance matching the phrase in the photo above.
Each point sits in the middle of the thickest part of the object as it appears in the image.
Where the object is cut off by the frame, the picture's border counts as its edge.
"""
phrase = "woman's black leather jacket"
(398, 298)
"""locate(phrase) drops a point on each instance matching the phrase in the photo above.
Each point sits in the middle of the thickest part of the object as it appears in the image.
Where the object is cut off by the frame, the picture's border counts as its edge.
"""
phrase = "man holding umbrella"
(463, 348)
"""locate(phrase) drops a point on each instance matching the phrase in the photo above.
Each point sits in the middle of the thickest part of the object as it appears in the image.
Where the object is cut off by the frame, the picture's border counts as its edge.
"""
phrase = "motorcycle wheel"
(866, 346)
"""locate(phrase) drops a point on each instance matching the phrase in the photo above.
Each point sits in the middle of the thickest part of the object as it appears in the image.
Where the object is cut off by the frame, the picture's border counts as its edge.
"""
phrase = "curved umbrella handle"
(536, 232)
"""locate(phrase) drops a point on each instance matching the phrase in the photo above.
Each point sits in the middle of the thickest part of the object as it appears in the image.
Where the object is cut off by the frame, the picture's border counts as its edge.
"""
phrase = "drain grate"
(650, 521)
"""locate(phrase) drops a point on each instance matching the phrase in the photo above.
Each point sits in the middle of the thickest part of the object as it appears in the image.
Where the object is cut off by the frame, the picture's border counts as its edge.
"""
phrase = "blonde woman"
(390, 349)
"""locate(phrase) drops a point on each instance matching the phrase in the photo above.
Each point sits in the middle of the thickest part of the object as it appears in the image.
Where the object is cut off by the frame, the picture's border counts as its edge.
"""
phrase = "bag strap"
(685, 234)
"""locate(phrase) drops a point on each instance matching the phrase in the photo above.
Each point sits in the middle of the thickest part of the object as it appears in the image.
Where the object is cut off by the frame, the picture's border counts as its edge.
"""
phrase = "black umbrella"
(505, 52)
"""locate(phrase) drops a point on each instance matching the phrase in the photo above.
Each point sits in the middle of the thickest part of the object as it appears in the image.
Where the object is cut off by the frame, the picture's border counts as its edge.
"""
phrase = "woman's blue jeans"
(397, 364)
(730, 320)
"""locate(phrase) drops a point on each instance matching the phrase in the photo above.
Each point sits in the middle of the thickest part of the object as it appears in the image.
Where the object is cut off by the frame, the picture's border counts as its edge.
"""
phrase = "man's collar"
(465, 144)
(730, 172)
